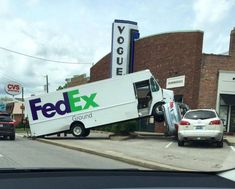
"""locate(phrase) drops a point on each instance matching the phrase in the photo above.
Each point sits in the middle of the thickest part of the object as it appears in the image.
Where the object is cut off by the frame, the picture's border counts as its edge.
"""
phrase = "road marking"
(1, 155)
(232, 148)
(167, 146)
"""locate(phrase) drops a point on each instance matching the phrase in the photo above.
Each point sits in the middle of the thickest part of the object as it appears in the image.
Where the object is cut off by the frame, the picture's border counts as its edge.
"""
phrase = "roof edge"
(172, 32)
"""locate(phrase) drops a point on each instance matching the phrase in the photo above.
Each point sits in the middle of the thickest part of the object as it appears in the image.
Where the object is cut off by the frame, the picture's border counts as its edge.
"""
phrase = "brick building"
(197, 79)
(15, 109)
(77, 80)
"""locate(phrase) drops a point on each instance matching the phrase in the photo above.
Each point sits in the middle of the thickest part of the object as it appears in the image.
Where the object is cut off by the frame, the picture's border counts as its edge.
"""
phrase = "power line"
(39, 58)
(10, 78)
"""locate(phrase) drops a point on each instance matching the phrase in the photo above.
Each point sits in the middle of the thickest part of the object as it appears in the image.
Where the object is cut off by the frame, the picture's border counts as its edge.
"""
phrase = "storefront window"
(178, 98)
(232, 119)
(223, 113)
(227, 111)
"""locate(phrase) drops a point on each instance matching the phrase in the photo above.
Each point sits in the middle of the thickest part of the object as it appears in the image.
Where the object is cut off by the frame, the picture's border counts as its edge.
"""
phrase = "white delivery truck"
(80, 108)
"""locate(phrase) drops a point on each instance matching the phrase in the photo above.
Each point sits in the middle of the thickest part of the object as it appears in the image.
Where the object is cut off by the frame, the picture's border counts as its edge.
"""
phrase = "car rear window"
(5, 118)
(201, 114)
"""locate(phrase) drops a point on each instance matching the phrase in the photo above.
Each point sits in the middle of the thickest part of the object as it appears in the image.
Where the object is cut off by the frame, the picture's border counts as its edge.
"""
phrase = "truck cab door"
(144, 97)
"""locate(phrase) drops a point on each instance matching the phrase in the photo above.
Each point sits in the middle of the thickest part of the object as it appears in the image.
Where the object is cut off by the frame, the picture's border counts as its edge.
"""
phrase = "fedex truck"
(80, 108)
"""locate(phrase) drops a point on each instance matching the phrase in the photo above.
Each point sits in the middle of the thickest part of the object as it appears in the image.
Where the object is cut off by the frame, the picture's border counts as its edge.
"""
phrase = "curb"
(126, 159)
(227, 142)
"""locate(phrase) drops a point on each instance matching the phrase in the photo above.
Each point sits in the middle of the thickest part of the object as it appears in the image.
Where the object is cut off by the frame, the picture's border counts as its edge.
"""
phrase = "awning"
(227, 99)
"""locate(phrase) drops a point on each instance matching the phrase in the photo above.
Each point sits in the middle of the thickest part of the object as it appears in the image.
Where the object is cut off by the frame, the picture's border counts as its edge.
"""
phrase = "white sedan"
(201, 124)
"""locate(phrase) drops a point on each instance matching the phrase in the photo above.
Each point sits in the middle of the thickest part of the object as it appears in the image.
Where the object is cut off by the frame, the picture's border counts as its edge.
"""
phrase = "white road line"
(168, 145)
(232, 148)
(1, 155)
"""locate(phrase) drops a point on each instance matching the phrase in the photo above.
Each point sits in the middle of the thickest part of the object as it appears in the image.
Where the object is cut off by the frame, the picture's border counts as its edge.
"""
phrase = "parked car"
(201, 124)
(7, 126)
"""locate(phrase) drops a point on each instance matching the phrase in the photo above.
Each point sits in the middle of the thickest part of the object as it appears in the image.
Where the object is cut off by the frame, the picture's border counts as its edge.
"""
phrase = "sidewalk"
(230, 139)
(135, 152)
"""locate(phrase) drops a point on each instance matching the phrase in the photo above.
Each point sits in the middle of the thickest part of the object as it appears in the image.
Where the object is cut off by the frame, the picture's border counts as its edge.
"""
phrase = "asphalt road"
(25, 153)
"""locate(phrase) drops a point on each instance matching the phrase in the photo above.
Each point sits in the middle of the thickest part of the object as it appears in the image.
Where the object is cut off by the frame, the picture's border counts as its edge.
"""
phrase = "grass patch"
(21, 130)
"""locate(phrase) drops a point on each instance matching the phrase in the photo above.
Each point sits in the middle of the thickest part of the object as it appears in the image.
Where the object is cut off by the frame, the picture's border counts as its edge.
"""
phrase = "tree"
(62, 87)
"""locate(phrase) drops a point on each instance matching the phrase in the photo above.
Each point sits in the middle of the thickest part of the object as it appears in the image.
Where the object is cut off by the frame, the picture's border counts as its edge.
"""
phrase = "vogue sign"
(13, 88)
(123, 34)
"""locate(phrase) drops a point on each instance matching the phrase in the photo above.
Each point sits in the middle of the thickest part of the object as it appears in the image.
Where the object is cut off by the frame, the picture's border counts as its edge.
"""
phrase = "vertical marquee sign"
(124, 34)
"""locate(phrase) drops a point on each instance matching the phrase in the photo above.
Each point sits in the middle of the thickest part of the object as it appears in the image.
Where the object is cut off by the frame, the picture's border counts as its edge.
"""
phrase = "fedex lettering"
(69, 104)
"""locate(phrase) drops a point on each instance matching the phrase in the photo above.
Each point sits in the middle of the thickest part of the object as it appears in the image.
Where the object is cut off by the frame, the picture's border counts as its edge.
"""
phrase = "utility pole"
(47, 84)
(22, 107)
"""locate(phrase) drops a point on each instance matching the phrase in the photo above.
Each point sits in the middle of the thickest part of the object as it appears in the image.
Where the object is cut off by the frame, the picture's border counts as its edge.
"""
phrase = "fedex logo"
(68, 104)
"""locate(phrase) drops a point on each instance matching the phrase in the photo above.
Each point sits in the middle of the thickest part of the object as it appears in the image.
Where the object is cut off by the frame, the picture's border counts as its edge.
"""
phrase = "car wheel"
(220, 144)
(180, 143)
(12, 137)
(77, 130)
(86, 133)
(4, 137)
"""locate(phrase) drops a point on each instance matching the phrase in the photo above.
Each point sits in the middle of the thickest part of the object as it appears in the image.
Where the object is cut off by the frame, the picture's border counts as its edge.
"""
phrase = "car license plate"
(1, 125)
(199, 127)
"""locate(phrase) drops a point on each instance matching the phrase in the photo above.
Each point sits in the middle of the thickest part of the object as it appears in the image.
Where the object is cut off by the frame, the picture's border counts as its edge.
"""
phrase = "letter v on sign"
(121, 29)
(89, 101)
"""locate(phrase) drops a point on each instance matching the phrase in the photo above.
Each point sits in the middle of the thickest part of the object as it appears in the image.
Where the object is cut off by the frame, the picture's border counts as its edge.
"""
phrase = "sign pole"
(22, 109)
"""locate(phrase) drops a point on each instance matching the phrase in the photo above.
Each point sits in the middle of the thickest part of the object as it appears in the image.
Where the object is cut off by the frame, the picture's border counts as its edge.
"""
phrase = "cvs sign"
(13, 88)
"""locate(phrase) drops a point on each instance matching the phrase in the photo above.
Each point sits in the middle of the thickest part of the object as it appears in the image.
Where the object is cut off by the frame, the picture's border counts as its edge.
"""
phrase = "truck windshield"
(154, 85)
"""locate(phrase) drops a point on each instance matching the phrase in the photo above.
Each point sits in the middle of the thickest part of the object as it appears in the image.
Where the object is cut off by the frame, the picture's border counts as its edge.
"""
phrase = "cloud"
(211, 11)
(32, 3)
(214, 17)
(37, 39)
(4, 7)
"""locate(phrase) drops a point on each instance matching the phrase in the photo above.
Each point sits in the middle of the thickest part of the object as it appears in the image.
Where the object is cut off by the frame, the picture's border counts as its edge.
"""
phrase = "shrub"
(123, 128)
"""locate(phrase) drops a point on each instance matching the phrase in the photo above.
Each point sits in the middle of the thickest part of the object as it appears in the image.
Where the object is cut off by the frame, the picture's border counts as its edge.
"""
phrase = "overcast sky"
(80, 31)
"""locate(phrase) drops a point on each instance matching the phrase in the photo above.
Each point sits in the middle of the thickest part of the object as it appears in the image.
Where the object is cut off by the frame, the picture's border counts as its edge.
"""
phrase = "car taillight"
(182, 122)
(215, 122)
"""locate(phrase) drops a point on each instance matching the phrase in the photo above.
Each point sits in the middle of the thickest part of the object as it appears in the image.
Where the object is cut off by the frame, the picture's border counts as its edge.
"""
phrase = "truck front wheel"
(158, 112)
(77, 130)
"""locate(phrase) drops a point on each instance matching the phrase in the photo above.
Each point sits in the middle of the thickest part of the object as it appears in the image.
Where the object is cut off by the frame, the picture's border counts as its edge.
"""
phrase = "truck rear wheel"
(86, 133)
(77, 130)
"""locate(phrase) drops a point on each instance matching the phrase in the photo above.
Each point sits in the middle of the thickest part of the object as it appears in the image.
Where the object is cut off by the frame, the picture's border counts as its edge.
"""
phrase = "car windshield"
(107, 84)
(201, 114)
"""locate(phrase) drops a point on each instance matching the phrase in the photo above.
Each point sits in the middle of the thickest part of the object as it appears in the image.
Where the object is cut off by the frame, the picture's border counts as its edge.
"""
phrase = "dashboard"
(73, 178)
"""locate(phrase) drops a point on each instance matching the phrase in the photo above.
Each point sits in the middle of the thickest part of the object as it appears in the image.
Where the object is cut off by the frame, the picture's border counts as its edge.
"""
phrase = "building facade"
(16, 109)
(77, 80)
(177, 61)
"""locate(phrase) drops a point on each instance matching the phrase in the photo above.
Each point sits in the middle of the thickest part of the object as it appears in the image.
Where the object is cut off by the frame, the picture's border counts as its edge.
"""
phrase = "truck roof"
(135, 77)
